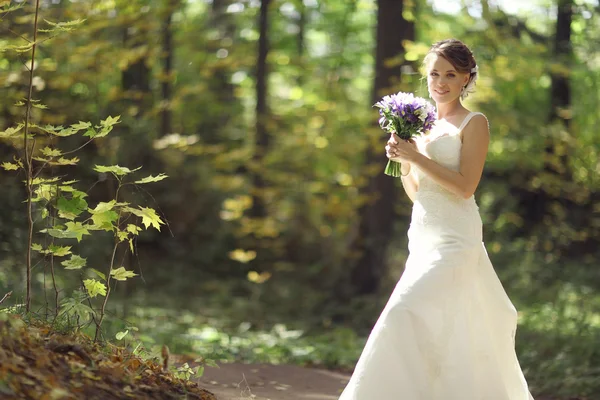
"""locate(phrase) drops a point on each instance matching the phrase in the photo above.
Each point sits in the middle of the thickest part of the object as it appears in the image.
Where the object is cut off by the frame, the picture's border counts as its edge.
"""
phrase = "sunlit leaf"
(121, 274)
(114, 169)
(50, 152)
(94, 288)
(59, 251)
(37, 247)
(103, 207)
(148, 215)
(121, 335)
(11, 131)
(77, 230)
(10, 166)
(150, 179)
(134, 229)
(65, 161)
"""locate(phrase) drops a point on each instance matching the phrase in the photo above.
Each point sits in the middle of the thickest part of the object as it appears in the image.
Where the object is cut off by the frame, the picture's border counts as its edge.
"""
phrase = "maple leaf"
(94, 288)
(70, 208)
(12, 131)
(59, 251)
(148, 215)
(75, 262)
(65, 161)
(104, 220)
(103, 207)
(10, 166)
(114, 169)
(50, 152)
(121, 274)
(134, 229)
(151, 178)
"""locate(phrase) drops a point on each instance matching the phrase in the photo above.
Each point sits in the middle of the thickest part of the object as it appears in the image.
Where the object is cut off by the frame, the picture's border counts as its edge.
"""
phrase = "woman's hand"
(405, 150)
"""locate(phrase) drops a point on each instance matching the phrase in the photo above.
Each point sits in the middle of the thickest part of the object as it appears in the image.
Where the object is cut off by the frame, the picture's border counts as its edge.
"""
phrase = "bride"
(448, 329)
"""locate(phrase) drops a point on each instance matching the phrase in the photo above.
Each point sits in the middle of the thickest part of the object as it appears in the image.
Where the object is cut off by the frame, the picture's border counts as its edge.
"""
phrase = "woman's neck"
(448, 109)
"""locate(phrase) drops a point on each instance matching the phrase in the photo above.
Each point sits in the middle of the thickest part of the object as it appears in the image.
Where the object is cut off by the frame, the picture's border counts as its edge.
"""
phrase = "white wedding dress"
(448, 329)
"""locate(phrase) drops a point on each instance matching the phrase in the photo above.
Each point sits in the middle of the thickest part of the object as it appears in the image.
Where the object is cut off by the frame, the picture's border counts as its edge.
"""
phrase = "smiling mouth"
(442, 92)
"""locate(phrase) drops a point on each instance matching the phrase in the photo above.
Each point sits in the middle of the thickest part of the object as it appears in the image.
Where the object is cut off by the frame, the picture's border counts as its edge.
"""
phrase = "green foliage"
(289, 266)
(63, 209)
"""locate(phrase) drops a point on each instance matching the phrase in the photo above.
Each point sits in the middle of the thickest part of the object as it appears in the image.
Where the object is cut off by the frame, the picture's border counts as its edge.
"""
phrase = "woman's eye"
(433, 74)
(451, 75)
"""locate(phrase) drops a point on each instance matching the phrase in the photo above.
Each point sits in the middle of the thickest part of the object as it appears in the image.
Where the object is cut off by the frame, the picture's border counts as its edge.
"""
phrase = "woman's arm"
(409, 182)
(476, 137)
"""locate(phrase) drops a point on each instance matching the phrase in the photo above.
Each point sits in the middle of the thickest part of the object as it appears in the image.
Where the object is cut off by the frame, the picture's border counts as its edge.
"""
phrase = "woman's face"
(443, 81)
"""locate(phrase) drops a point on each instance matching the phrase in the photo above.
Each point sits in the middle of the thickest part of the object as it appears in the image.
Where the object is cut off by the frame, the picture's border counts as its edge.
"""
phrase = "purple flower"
(405, 114)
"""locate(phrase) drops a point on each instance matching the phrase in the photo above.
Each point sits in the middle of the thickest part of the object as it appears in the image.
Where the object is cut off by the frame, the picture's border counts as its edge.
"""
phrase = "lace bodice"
(443, 145)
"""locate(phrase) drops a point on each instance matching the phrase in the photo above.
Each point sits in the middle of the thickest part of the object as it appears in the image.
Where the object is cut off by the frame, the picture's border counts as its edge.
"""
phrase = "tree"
(376, 216)
(262, 135)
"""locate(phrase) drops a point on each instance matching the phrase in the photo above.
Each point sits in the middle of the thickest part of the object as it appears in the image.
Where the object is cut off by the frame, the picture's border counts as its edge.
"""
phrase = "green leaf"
(37, 247)
(58, 251)
(50, 152)
(148, 215)
(94, 288)
(134, 229)
(70, 208)
(10, 166)
(65, 132)
(40, 106)
(73, 230)
(104, 221)
(11, 131)
(121, 335)
(81, 125)
(122, 235)
(103, 207)
(100, 274)
(40, 181)
(114, 169)
(77, 230)
(65, 161)
(121, 274)
(75, 262)
(150, 179)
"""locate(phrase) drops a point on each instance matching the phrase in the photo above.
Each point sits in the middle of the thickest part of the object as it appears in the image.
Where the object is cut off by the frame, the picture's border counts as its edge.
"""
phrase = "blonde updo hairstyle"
(460, 56)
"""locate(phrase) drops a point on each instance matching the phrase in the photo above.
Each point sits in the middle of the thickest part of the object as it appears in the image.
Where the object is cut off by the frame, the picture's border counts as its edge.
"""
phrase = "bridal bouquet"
(407, 116)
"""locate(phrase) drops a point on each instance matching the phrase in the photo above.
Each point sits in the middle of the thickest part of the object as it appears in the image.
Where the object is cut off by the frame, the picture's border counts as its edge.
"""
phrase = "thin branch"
(6, 296)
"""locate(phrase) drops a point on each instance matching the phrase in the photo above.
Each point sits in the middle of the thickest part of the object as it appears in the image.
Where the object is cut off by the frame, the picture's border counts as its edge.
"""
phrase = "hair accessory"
(470, 87)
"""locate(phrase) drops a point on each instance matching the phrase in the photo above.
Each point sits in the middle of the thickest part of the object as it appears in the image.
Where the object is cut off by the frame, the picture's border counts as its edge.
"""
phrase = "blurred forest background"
(283, 238)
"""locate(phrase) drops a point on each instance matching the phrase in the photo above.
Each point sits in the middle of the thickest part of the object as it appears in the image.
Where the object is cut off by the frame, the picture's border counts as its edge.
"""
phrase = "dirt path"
(272, 382)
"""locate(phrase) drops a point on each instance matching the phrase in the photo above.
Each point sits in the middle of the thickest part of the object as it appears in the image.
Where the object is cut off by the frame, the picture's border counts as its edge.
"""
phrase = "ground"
(236, 381)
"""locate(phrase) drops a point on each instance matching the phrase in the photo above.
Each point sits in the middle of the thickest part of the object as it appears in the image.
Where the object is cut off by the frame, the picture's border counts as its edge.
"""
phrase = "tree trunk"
(561, 91)
(377, 215)
(556, 163)
(167, 79)
(262, 138)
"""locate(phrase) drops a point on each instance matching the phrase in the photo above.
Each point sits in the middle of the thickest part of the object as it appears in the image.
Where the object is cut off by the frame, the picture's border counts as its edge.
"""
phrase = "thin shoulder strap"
(467, 119)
